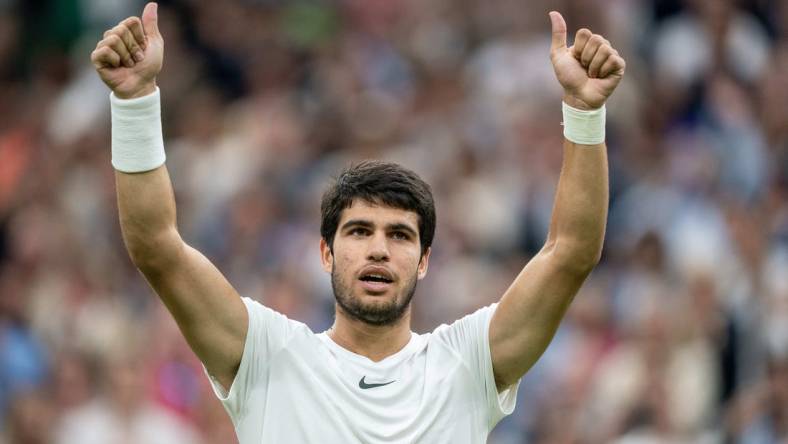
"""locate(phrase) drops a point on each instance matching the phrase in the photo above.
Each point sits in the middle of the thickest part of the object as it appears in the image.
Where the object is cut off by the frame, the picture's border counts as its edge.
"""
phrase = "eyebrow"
(401, 227)
(357, 223)
(397, 226)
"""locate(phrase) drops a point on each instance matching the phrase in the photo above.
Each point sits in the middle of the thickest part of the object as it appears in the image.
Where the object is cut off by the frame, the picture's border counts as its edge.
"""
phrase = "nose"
(378, 249)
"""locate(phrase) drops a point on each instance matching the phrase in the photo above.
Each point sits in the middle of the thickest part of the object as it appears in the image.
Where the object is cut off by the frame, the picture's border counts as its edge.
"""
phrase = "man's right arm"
(209, 312)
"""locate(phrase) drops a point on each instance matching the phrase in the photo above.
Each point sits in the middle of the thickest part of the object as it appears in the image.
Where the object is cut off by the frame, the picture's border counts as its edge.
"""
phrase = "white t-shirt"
(295, 386)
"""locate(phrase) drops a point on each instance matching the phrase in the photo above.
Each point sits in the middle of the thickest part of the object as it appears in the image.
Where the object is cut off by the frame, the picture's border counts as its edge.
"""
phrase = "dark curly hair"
(383, 183)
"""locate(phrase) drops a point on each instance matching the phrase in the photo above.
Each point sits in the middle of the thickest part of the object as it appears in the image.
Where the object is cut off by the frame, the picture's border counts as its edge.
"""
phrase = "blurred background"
(679, 336)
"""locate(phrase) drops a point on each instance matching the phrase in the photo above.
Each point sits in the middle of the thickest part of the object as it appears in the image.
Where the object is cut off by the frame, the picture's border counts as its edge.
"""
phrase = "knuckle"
(122, 31)
(589, 52)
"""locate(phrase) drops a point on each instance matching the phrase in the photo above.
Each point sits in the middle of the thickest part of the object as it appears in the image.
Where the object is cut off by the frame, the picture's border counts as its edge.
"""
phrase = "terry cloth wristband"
(137, 142)
(584, 127)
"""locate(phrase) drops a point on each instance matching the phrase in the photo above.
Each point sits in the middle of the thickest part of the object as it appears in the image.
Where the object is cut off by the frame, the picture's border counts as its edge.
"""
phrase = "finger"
(135, 26)
(116, 43)
(581, 38)
(614, 64)
(128, 39)
(104, 57)
(592, 46)
(558, 30)
(602, 55)
(150, 20)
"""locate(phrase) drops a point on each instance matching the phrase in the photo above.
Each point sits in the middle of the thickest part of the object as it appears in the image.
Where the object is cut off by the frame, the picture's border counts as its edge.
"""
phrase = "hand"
(131, 54)
(589, 70)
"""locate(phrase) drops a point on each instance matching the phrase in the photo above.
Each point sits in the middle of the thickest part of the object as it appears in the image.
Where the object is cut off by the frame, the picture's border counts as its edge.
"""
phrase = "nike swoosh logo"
(363, 385)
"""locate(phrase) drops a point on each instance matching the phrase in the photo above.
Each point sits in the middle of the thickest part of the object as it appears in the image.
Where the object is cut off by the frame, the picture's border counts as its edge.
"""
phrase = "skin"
(532, 307)
(374, 235)
(209, 311)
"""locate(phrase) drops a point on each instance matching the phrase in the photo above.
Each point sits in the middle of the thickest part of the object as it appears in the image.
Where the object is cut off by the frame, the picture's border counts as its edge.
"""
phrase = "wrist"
(145, 90)
(137, 142)
(584, 126)
(576, 103)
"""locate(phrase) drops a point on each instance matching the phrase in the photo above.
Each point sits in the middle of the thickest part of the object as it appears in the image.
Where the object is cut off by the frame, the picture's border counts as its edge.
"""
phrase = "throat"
(371, 341)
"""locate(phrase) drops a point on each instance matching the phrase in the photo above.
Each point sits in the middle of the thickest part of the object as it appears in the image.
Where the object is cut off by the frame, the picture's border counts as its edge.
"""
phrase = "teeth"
(376, 277)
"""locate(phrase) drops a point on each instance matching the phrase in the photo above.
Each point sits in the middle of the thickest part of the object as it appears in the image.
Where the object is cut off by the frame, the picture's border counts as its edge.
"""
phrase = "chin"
(377, 301)
(384, 308)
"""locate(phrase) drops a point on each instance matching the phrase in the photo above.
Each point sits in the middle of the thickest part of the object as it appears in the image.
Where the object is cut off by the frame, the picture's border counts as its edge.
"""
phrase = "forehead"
(378, 214)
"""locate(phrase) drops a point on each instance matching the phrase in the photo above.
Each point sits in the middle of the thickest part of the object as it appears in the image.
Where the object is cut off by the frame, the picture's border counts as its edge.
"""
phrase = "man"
(368, 378)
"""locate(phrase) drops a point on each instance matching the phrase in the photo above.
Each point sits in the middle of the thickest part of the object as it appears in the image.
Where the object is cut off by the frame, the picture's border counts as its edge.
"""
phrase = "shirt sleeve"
(469, 338)
(268, 333)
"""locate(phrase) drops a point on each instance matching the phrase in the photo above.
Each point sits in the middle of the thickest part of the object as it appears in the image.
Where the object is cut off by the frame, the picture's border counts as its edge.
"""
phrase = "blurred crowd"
(679, 336)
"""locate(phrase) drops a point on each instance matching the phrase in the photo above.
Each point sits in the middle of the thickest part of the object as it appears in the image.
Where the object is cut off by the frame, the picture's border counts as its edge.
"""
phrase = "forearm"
(146, 203)
(146, 207)
(531, 309)
(577, 226)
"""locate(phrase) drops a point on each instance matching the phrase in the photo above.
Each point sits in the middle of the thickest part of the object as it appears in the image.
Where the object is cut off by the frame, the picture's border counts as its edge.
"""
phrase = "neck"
(376, 342)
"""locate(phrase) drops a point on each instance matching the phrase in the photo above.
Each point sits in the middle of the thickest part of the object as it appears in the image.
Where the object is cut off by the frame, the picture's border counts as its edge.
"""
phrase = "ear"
(326, 256)
(424, 263)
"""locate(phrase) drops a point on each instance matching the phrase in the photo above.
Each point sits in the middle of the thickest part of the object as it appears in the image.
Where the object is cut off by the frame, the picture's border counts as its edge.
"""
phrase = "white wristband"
(584, 127)
(137, 142)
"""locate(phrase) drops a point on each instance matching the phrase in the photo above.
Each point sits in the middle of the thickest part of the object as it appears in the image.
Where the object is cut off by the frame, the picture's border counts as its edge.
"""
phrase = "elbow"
(153, 251)
(576, 259)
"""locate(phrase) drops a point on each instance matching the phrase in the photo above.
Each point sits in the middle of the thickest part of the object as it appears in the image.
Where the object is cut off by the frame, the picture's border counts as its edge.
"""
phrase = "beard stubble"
(386, 313)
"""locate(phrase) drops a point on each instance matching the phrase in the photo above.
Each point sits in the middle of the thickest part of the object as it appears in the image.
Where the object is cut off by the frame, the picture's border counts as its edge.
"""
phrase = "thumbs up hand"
(589, 70)
(130, 55)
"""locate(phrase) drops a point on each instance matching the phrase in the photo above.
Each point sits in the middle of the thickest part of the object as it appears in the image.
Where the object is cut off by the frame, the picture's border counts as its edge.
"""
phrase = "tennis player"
(369, 378)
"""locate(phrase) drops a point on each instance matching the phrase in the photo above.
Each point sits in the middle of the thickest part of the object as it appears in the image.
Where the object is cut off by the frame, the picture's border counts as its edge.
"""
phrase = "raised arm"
(531, 309)
(207, 309)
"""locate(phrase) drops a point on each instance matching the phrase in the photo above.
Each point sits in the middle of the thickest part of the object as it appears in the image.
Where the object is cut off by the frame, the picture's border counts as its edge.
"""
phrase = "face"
(376, 262)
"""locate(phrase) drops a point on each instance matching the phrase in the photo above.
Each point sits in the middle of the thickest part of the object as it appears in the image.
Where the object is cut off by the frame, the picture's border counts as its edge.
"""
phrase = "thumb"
(150, 19)
(559, 31)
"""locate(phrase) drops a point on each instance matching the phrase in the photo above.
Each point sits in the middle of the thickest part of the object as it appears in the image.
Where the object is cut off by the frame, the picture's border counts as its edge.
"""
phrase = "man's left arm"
(529, 312)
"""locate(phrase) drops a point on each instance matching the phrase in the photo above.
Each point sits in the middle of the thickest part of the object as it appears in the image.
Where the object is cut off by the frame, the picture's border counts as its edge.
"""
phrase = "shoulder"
(268, 317)
(467, 335)
(476, 320)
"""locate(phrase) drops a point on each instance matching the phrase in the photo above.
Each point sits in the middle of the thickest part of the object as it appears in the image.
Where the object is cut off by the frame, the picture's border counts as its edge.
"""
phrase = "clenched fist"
(130, 56)
(589, 70)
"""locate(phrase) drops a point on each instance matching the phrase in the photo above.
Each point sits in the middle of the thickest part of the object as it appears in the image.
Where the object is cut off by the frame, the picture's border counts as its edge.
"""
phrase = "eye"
(358, 231)
(399, 235)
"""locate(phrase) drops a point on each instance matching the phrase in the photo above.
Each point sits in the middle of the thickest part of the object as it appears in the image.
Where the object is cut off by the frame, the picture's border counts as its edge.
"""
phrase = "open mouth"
(376, 278)
(376, 281)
